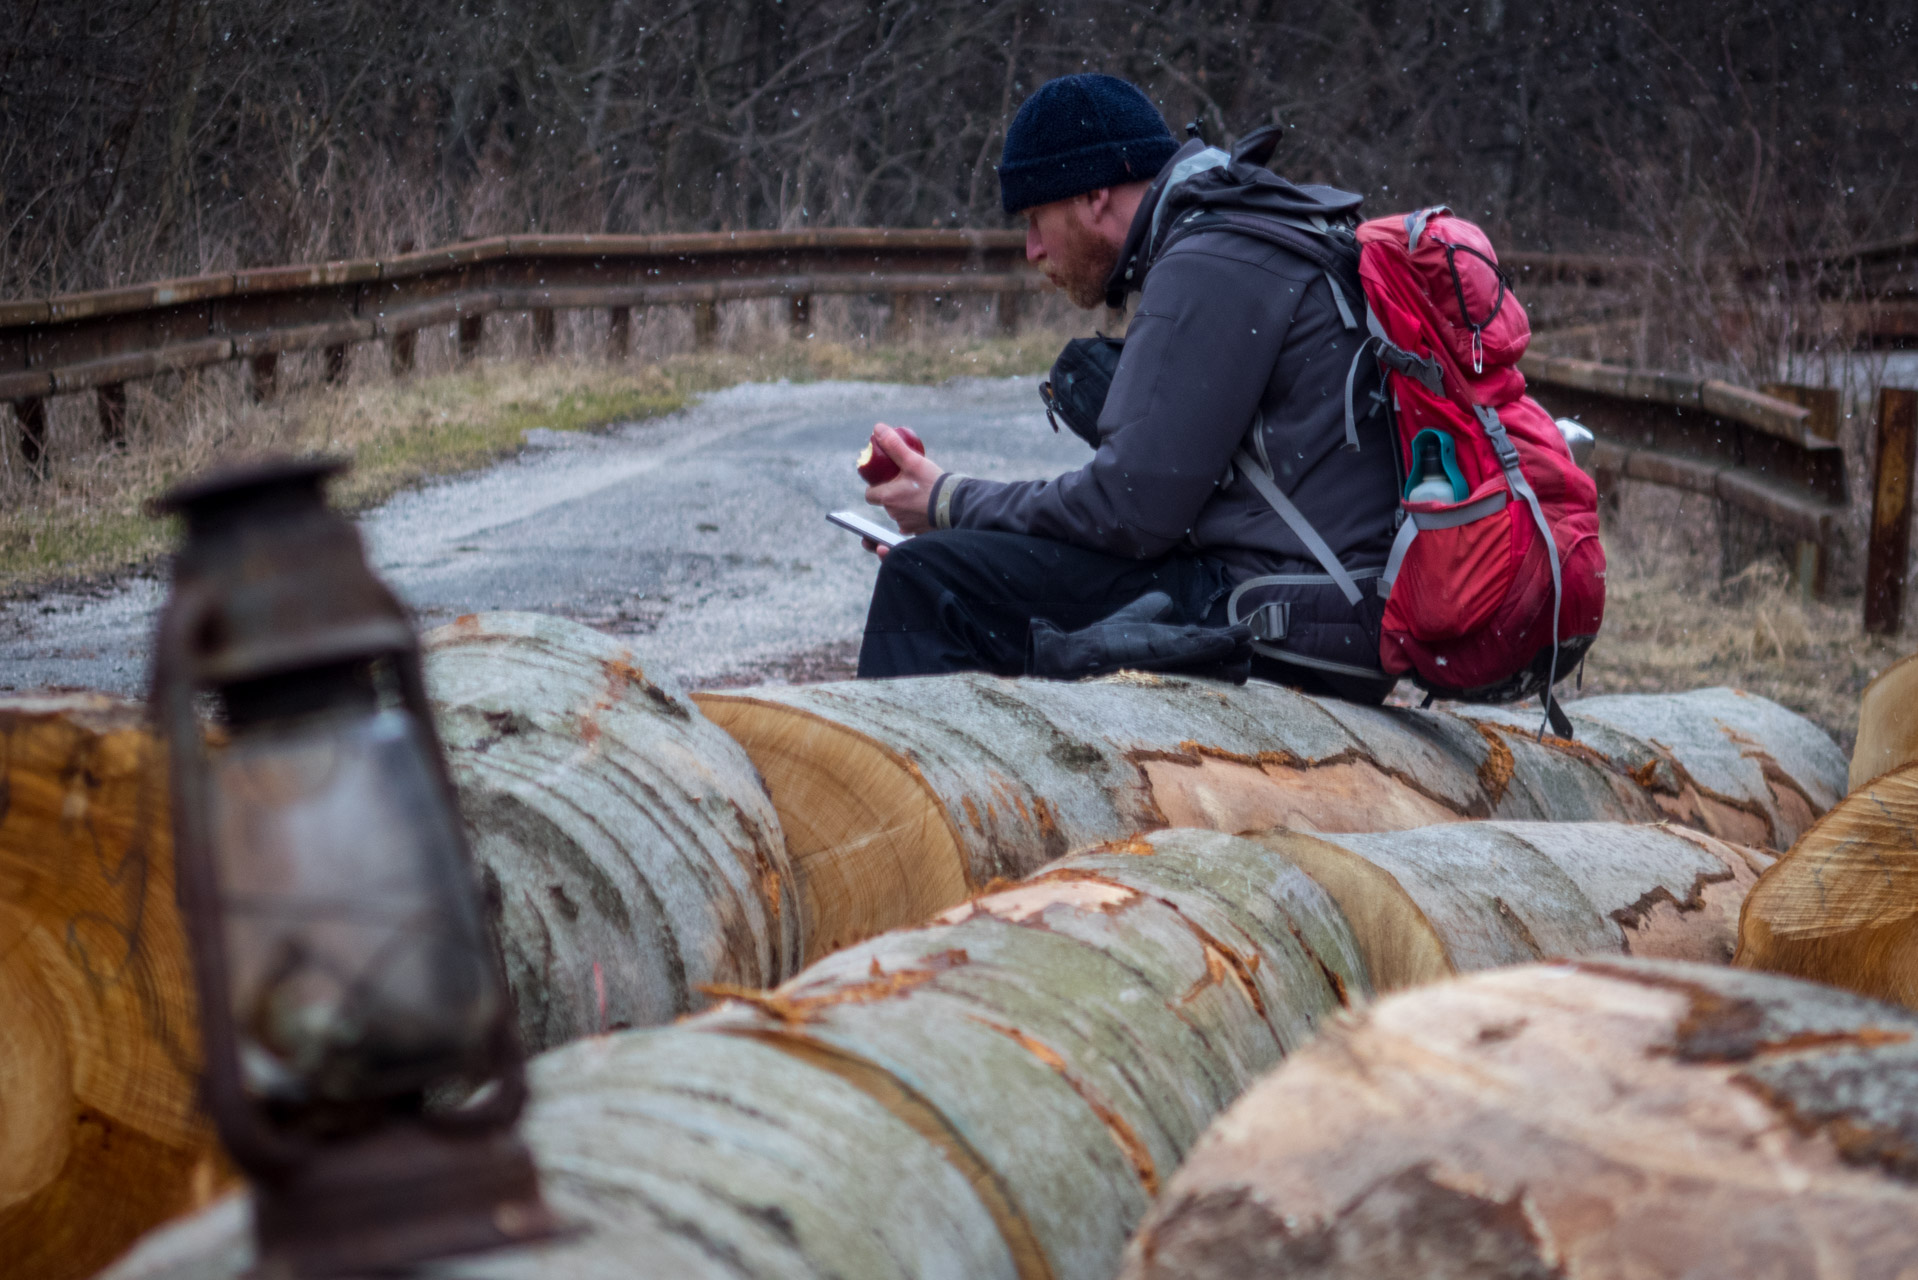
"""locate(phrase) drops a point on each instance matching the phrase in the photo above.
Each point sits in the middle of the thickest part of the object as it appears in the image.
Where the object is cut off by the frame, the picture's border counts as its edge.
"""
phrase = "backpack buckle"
(1270, 621)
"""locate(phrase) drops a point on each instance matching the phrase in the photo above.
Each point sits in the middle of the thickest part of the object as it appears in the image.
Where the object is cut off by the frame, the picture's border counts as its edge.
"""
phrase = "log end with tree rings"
(898, 797)
(101, 1133)
(1887, 727)
(1430, 903)
(1842, 906)
(627, 847)
(1566, 1122)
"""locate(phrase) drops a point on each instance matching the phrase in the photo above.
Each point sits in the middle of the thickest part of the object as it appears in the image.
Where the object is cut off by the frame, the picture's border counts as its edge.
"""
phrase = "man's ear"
(1097, 201)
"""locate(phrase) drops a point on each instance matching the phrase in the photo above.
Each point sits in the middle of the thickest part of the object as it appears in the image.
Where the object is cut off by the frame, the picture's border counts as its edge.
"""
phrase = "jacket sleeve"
(1198, 359)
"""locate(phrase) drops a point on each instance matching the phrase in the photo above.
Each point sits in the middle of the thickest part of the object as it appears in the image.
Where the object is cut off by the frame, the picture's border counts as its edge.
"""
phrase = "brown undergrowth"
(1672, 623)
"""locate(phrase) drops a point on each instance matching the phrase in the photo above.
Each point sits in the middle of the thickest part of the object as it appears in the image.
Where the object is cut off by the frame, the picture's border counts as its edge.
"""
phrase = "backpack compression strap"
(1301, 528)
(1522, 488)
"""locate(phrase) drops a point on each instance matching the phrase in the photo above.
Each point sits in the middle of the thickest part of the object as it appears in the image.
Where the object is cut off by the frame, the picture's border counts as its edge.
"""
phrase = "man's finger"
(894, 445)
(877, 548)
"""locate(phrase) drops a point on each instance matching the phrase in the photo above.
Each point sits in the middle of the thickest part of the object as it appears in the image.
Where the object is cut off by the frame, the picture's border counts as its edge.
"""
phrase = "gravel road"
(701, 536)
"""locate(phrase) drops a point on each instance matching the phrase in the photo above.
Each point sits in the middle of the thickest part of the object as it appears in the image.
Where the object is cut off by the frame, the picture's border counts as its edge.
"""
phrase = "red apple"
(876, 465)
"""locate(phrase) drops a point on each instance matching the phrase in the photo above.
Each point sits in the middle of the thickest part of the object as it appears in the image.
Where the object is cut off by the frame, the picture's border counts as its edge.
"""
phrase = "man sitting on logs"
(1238, 343)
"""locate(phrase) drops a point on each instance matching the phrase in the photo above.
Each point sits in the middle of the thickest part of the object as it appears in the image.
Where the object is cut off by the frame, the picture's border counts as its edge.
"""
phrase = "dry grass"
(1671, 624)
(83, 516)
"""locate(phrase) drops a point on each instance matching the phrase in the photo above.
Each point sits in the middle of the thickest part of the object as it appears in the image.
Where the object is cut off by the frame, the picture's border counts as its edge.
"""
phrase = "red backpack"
(1491, 595)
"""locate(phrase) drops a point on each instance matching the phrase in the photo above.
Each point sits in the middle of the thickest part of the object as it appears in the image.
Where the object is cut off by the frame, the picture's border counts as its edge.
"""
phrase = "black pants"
(964, 599)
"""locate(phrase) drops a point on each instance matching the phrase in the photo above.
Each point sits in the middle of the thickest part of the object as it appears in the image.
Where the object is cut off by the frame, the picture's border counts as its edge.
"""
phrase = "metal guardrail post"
(266, 376)
(905, 316)
(799, 315)
(1888, 560)
(619, 333)
(335, 357)
(1006, 311)
(32, 415)
(472, 330)
(545, 331)
(401, 351)
(111, 401)
(705, 325)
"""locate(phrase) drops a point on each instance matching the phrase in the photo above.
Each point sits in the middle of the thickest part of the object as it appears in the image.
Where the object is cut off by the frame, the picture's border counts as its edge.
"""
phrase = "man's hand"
(905, 495)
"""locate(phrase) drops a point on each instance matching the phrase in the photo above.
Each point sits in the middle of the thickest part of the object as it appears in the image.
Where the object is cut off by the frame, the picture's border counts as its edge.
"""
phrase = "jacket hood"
(1205, 178)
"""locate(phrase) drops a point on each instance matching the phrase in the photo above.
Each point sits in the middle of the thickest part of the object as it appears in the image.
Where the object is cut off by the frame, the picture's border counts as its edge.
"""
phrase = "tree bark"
(1577, 1122)
(899, 797)
(1842, 906)
(1887, 729)
(1427, 904)
(628, 851)
(101, 1134)
(1056, 1046)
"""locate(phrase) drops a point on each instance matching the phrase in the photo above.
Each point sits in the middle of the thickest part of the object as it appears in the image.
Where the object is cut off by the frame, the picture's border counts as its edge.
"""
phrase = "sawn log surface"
(1593, 1121)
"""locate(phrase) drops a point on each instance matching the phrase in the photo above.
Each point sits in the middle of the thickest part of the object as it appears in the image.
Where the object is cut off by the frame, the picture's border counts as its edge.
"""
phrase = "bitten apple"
(876, 465)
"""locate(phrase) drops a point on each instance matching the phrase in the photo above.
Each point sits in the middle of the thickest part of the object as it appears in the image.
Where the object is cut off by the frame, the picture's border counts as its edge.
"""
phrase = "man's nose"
(1035, 247)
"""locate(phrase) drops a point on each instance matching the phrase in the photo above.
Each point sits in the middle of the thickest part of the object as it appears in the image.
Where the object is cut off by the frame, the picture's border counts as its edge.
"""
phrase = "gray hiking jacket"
(1231, 331)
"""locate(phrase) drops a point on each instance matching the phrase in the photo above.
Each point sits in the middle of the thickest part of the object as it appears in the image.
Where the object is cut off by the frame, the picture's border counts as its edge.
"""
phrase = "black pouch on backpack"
(1076, 389)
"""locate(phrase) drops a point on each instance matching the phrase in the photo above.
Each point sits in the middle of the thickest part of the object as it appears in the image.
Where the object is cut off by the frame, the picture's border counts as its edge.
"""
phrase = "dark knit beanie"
(1077, 134)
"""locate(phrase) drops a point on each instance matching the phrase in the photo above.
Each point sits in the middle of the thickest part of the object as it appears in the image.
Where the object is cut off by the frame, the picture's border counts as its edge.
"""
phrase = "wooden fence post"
(619, 333)
(705, 325)
(266, 376)
(799, 315)
(32, 413)
(1888, 559)
(112, 402)
(335, 363)
(400, 353)
(545, 331)
(472, 329)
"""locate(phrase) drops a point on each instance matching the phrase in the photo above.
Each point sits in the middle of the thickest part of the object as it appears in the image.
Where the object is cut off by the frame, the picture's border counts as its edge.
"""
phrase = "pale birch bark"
(899, 797)
(1057, 1044)
(629, 852)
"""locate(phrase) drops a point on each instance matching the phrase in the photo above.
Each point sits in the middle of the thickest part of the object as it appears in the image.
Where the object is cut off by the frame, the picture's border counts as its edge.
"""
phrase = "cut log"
(1575, 1122)
(993, 1095)
(1427, 904)
(1887, 722)
(1842, 906)
(898, 797)
(101, 1135)
(629, 853)
(1058, 1043)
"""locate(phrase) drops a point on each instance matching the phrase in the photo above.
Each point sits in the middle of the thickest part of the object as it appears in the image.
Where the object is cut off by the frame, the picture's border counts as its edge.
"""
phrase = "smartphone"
(865, 528)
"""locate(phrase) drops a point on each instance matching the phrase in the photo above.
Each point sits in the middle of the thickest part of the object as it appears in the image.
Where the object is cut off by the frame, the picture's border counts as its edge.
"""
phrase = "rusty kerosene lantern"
(362, 1062)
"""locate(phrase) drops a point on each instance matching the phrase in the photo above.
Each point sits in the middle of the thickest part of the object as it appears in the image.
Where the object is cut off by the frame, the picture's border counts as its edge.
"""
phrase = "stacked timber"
(1427, 904)
(101, 1136)
(1573, 1122)
(1002, 1092)
(900, 797)
(629, 854)
(1887, 722)
(1842, 906)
